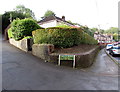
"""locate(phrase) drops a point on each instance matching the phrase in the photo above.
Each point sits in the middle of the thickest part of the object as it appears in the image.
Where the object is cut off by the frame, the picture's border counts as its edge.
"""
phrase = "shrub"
(28, 37)
(23, 28)
(87, 30)
(89, 40)
(10, 35)
(61, 37)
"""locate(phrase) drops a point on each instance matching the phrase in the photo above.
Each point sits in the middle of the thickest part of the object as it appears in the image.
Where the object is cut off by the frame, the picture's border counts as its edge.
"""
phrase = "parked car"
(116, 43)
(115, 50)
(109, 46)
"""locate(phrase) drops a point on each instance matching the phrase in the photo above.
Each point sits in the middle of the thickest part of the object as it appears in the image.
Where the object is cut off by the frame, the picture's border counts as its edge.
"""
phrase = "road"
(23, 71)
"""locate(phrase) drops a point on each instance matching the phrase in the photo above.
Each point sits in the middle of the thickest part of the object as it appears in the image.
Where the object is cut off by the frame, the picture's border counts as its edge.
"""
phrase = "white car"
(109, 46)
(115, 50)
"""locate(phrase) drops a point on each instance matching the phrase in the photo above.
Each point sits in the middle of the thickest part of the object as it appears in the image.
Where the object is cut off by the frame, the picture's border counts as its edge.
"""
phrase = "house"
(103, 38)
(53, 21)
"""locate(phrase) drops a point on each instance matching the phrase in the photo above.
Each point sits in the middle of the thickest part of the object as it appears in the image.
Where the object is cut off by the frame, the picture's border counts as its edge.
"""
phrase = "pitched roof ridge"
(52, 17)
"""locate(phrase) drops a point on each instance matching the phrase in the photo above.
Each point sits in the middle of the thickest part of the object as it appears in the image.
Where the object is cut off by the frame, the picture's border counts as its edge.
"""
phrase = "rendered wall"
(22, 44)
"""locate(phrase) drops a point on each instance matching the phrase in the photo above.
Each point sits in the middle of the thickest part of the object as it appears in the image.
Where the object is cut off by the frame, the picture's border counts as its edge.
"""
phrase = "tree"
(101, 31)
(112, 30)
(94, 30)
(19, 12)
(73, 23)
(26, 11)
(6, 18)
(115, 37)
(87, 30)
(48, 13)
(70, 21)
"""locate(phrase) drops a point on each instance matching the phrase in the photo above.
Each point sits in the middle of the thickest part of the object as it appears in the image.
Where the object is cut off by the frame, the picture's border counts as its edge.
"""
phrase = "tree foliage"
(87, 30)
(73, 23)
(6, 18)
(94, 30)
(19, 12)
(112, 30)
(26, 11)
(48, 13)
(115, 36)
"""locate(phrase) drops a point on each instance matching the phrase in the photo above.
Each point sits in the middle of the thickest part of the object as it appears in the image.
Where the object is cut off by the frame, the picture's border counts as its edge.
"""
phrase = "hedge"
(23, 28)
(62, 37)
(89, 40)
(87, 30)
(10, 35)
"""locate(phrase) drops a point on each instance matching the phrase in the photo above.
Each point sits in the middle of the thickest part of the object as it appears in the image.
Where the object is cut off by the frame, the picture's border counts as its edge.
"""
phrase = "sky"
(102, 14)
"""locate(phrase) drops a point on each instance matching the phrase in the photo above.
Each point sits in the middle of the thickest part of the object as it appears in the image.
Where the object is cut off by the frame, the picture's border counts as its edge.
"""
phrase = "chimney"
(63, 18)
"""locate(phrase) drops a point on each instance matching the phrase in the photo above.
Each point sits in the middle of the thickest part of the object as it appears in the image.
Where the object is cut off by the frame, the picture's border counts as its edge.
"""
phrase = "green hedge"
(62, 37)
(10, 35)
(23, 28)
(89, 40)
(87, 30)
(28, 37)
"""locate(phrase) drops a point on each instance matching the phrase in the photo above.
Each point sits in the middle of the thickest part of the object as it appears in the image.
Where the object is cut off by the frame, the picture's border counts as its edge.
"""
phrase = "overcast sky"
(93, 13)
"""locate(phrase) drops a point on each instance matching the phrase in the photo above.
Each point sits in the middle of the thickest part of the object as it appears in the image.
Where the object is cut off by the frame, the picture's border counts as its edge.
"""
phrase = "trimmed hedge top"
(22, 28)
(62, 37)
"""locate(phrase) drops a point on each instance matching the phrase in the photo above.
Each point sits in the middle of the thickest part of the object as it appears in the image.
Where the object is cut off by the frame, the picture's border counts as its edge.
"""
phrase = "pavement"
(23, 71)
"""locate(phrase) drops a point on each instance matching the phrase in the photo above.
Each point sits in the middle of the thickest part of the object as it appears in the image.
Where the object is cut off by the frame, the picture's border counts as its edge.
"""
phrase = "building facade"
(103, 38)
(53, 21)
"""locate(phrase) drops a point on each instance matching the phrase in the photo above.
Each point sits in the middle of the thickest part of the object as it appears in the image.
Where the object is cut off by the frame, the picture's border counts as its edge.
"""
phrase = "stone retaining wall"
(83, 60)
(42, 50)
(87, 59)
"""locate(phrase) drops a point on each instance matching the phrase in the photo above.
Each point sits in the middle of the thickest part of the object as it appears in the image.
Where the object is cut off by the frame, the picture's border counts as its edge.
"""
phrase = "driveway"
(23, 71)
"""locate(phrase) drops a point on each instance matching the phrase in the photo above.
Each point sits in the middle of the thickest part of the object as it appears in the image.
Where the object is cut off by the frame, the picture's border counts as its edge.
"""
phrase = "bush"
(87, 30)
(23, 28)
(28, 37)
(61, 37)
(10, 35)
(89, 40)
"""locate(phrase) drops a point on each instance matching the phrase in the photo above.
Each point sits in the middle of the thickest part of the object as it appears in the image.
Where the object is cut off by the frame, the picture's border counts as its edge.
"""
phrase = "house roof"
(53, 17)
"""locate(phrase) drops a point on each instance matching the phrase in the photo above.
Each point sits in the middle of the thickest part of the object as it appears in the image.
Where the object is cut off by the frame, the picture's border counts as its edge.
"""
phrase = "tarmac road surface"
(23, 71)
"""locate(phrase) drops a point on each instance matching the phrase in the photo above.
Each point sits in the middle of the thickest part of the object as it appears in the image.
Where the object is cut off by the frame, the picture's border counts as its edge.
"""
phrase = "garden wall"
(42, 50)
(83, 60)
(24, 44)
(87, 59)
